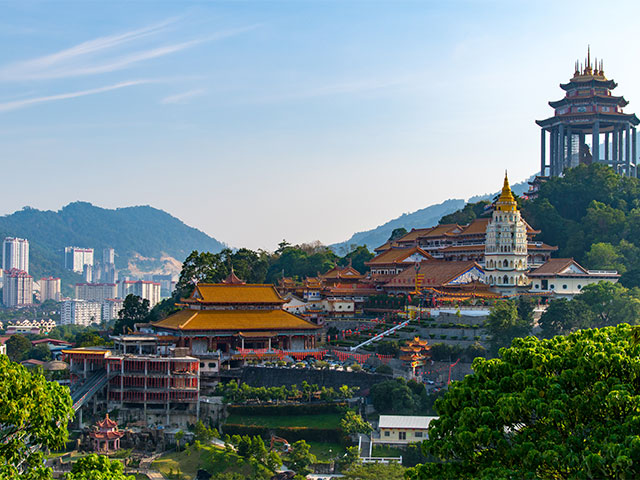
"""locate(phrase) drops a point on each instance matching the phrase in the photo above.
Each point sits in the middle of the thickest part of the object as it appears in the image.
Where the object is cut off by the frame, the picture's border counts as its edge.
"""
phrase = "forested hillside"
(592, 214)
(142, 235)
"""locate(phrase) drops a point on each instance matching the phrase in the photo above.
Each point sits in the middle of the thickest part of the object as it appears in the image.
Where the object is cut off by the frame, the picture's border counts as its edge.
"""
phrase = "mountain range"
(423, 218)
(145, 239)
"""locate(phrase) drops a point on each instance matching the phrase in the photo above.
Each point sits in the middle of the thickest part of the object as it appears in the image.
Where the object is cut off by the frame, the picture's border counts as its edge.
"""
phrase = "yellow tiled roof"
(235, 320)
(234, 293)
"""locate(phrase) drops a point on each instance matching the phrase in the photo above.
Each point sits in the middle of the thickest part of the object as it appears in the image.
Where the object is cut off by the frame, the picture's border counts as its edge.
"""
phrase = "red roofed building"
(564, 277)
(106, 436)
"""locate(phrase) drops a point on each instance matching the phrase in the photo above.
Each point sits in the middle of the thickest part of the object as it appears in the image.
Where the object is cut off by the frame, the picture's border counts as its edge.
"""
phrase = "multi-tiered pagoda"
(589, 109)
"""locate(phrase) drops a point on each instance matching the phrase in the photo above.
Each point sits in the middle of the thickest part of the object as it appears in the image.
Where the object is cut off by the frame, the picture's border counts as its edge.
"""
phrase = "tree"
(97, 467)
(33, 417)
(352, 424)
(17, 347)
(397, 233)
(605, 256)
(558, 408)
(504, 324)
(88, 338)
(375, 471)
(565, 316)
(179, 435)
(394, 396)
(134, 310)
(357, 258)
(40, 352)
(301, 457)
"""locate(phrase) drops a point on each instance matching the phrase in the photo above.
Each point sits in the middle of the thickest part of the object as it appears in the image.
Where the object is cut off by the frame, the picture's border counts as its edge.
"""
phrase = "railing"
(381, 459)
(89, 388)
(381, 335)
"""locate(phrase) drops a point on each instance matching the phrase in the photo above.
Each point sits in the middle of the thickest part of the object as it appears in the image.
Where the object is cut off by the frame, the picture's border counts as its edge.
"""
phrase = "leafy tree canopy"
(134, 310)
(559, 408)
(17, 347)
(375, 471)
(506, 321)
(97, 467)
(33, 417)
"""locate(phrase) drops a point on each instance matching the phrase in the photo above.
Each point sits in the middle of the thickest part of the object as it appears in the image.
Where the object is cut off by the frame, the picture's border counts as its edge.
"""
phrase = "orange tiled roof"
(234, 293)
(543, 246)
(396, 255)
(477, 227)
(440, 230)
(234, 320)
(436, 273)
(413, 235)
(385, 246)
(341, 272)
(555, 266)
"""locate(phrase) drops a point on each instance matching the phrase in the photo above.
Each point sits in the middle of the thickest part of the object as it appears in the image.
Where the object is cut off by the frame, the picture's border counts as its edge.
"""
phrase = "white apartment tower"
(17, 290)
(95, 292)
(15, 254)
(49, 289)
(142, 289)
(505, 254)
(75, 258)
(80, 312)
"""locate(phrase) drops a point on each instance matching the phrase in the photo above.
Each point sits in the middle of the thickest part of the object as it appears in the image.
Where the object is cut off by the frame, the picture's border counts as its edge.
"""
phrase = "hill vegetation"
(142, 236)
(592, 214)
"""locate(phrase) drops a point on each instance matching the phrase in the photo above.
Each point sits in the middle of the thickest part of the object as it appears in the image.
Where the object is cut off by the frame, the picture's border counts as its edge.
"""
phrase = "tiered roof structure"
(589, 109)
(106, 436)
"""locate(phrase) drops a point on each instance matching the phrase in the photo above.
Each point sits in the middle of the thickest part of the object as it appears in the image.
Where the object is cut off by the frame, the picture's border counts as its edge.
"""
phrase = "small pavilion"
(106, 436)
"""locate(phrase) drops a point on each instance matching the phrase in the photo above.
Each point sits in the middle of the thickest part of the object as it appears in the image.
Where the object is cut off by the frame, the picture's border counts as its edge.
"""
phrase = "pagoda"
(106, 436)
(415, 353)
(589, 109)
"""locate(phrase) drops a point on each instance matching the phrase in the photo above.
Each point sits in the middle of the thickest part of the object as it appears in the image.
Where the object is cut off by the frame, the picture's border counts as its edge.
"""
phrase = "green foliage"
(386, 347)
(598, 305)
(39, 352)
(357, 257)
(88, 338)
(384, 369)
(33, 417)
(397, 233)
(97, 467)
(559, 408)
(18, 347)
(179, 435)
(505, 323)
(352, 423)
(203, 433)
(134, 310)
(468, 214)
(375, 471)
(399, 397)
(234, 393)
(300, 457)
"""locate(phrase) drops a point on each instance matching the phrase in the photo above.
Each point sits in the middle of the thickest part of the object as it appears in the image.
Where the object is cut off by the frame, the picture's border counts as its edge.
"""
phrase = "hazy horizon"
(258, 121)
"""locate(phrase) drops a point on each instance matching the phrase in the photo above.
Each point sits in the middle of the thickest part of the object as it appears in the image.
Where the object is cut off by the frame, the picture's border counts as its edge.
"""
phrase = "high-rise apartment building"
(110, 309)
(49, 289)
(75, 258)
(15, 254)
(142, 289)
(95, 292)
(108, 256)
(80, 312)
(17, 289)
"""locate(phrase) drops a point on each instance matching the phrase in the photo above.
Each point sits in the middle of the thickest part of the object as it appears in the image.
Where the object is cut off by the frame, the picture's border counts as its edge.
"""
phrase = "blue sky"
(303, 120)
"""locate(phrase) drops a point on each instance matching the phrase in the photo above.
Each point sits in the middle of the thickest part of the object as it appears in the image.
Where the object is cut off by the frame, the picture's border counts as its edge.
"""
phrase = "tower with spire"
(588, 112)
(505, 253)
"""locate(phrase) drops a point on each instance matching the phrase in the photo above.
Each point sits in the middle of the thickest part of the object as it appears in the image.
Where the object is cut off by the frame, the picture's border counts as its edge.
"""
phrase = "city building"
(395, 260)
(15, 254)
(17, 288)
(232, 321)
(31, 326)
(80, 312)
(108, 256)
(565, 278)
(167, 285)
(505, 252)
(110, 309)
(448, 277)
(50, 289)
(87, 273)
(96, 292)
(140, 288)
(401, 430)
(141, 385)
(588, 110)
(75, 258)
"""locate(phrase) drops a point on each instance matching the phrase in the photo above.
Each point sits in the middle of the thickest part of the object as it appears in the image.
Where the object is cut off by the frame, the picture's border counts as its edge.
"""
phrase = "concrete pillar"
(553, 147)
(543, 153)
(634, 150)
(606, 148)
(569, 146)
(627, 150)
(121, 383)
(595, 141)
(620, 148)
(614, 141)
(561, 155)
(146, 379)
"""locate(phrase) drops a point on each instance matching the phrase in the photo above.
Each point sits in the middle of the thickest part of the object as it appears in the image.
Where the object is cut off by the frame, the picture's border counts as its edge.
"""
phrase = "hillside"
(423, 218)
(145, 239)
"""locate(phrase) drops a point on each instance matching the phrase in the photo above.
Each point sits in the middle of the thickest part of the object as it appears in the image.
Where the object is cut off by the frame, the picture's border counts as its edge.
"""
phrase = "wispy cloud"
(183, 97)
(17, 104)
(98, 56)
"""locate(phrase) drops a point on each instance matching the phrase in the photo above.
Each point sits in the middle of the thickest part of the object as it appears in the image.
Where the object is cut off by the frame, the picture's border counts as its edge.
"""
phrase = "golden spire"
(506, 202)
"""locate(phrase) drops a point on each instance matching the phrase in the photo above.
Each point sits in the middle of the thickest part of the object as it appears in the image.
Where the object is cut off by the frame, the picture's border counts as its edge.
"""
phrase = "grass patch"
(326, 451)
(323, 420)
(385, 451)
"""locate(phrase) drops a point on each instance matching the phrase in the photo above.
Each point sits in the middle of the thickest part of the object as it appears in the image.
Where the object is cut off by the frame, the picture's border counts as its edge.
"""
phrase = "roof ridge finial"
(589, 55)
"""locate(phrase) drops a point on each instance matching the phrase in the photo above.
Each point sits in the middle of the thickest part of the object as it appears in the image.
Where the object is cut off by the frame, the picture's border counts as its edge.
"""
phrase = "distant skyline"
(299, 120)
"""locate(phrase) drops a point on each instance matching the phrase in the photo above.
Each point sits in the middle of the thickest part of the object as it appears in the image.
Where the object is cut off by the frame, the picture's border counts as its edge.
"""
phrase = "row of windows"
(552, 286)
(403, 435)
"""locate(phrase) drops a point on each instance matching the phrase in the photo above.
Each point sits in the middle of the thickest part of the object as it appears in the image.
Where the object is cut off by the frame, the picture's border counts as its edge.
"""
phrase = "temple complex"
(588, 110)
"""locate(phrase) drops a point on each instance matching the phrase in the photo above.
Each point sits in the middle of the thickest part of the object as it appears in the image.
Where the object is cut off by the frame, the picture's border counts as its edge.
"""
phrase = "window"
(212, 364)
(402, 435)
(564, 287)
(545, 284)
(418, 434)
(579, 287)
(386, 433)
(552, 286)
